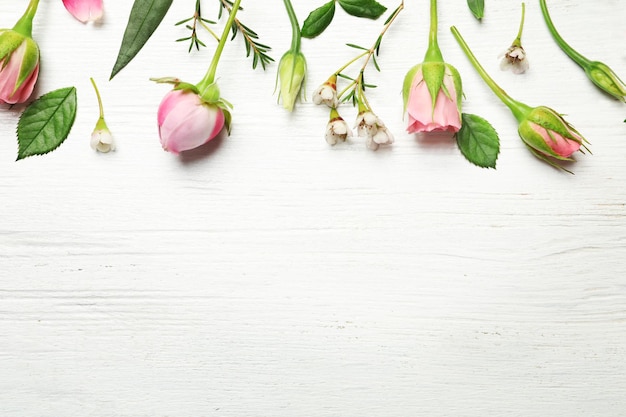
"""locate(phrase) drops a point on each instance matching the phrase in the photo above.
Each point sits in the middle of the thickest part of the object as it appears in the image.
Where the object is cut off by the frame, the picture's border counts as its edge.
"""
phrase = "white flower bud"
(337, 131)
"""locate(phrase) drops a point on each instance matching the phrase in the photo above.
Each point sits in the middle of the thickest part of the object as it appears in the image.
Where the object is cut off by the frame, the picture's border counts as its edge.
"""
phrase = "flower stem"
(520, 110)
(24, 26)
(295, 27)
(518, 40)
(209, 78)
(433, 54)
(95, 87)
(574, 55)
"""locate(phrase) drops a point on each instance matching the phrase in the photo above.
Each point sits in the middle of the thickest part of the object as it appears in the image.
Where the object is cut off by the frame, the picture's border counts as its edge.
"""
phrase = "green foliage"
(145, 17)
(46, 123)
(478, 141)
(477, 7)
(370, 9)
(320, 18)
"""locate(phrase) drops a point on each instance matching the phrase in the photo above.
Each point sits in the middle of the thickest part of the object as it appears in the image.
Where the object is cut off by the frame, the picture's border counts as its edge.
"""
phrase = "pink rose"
(186, 122)
(85, 10)
(19, 68)
(423, 117)
(547, 134)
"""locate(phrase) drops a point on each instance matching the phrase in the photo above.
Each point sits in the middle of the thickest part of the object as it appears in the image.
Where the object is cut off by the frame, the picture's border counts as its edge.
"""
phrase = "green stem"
(295, 27)
(209, 78)
(520, 110)
(574, 55)
(24, 26)
(352, 61)
(95, 87)
(433, 54)
(518, 40)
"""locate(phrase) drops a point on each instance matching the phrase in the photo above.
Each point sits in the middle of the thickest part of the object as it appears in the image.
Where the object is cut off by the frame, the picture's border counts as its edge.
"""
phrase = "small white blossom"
(370, 126)
(326, 94)
(366, 124)
(102, 141)
(337, 131)
(514, 59)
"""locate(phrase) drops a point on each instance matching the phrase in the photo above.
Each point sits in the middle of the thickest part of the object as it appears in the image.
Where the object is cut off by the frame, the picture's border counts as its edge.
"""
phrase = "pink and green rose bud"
(291, 76)
(19, 66)
(432, 98)
(547, 134)
(85, 10)
(186, 121)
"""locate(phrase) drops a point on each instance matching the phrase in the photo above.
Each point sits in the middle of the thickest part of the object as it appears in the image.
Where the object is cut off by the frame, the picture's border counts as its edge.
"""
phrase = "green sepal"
(408, 82)
(551, 120)
(228, 119)
(29, 62)
(177, 83)
(458, 85)
(548, 161)
(433, 73)
(9, 42)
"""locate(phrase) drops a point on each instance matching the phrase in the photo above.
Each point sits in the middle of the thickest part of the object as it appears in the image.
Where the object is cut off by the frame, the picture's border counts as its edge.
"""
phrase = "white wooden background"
(269, 274)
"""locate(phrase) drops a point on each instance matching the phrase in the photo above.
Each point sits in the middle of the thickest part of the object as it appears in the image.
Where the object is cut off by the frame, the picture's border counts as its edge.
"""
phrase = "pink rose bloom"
(18, 72)
(445, 116)
(85, 10)
(186, 122)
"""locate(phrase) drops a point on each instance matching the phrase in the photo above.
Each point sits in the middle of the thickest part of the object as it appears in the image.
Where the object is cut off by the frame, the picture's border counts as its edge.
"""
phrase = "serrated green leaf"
(370, 9)
(477, 7)
(46, 122)
(145, 17)
(478, 141)
(318, 20)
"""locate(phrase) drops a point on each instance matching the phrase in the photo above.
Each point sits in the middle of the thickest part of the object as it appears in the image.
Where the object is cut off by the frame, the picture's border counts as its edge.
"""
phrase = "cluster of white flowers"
(370, 126)
(367, 125)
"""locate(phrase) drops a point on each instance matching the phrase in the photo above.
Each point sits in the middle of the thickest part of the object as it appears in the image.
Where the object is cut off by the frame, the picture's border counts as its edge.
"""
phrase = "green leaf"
(318, 20)
(477, 7)
(46, 122)
(478, 141)
(145, 17)
(370, 9)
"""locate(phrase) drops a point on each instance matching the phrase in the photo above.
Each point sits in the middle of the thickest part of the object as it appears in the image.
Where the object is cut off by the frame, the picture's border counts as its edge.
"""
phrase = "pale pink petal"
(85, 10)
(422, 118)
(561, 146)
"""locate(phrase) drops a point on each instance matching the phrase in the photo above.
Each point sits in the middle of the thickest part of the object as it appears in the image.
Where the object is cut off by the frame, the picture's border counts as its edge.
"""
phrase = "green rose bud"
(291, 76)
(546, 133)
(606, 79)
(19, 66)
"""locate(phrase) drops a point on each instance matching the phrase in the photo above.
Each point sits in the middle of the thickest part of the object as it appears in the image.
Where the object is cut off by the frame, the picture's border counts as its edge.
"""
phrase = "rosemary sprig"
(258, 50)
(196, 20)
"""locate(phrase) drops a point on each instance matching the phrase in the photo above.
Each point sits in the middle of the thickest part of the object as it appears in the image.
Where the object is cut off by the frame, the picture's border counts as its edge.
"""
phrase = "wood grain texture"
(270, 275)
